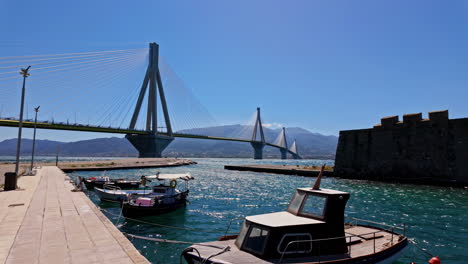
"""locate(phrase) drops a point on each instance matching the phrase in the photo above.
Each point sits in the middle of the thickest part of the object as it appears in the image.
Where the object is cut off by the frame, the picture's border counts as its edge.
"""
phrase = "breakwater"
(120, 164)
(310, 171)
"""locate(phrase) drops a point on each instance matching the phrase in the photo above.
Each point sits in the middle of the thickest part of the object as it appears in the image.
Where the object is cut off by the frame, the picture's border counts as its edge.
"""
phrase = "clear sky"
(321, 65)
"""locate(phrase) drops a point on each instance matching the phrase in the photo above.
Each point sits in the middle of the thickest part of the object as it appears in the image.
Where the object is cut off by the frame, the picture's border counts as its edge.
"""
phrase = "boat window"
(159, 190)
(295, 243)
(256, 239)
(314, 206)
(296, 202)
(241, 236)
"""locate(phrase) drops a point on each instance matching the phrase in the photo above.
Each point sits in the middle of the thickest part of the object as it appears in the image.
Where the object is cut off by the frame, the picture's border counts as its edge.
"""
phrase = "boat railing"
(391, 227)
(347, 238)
(155, 197)
(111, 187)
(167, 197)
(230, 223)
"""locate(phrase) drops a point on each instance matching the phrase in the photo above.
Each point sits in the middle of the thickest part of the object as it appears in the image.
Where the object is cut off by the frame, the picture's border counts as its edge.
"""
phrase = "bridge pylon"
(258, 145)
(153, 143)
(283, 144)
(293, 150)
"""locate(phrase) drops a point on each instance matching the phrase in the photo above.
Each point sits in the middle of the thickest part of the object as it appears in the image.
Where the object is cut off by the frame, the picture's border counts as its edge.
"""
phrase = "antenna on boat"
(319, 178)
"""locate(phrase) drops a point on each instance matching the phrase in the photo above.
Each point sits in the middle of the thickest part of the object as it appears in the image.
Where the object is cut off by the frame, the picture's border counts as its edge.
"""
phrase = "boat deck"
(362, 244)
(45, 222)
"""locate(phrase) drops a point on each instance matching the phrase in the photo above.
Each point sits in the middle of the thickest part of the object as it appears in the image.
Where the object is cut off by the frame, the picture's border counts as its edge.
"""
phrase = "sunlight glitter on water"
(436, 217)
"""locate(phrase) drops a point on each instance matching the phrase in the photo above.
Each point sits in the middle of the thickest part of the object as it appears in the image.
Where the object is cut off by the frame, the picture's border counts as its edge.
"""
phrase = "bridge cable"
(114, 107)
(95, 64)
(105, 115)
(63, 62)
(105, 82)
(68, 54)
(61, 58)
(65, 81)
(66, 64)
(177, 87)
(65, 78)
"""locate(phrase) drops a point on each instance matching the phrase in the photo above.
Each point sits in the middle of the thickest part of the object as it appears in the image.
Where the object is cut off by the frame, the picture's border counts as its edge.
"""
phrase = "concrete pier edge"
(45, 222)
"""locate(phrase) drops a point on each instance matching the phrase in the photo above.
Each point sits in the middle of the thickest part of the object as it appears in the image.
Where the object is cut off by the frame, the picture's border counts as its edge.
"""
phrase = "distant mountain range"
(309, 145)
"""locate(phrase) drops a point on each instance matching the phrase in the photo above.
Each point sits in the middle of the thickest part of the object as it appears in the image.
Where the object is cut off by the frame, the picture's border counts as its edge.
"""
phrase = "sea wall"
(415, 149)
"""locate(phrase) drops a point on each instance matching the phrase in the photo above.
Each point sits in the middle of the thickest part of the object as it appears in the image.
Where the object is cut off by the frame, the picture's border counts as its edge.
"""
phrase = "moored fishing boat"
(112, 193)
(311, 230)
(99, 181)
(164, 197)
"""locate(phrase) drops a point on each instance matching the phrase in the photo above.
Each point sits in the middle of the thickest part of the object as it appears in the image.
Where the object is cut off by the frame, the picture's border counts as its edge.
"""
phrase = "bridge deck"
(45, 222)
(87, 128)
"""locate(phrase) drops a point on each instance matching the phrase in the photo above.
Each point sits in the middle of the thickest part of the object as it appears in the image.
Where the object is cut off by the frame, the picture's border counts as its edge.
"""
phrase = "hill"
(310, 145)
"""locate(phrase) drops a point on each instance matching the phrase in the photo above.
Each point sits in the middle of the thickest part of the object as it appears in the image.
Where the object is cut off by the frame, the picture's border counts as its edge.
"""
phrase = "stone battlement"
(439, 117)
(434, 149)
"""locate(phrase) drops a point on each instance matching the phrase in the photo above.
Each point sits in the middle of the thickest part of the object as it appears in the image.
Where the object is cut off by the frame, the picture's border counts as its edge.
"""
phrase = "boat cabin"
(312, 225)
(166, 183)
(163, 189)
(99, 179)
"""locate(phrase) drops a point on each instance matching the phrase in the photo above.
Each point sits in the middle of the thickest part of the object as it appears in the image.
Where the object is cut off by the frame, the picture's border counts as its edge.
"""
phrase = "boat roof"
(165, 176)
(281, 219)
(323, 191)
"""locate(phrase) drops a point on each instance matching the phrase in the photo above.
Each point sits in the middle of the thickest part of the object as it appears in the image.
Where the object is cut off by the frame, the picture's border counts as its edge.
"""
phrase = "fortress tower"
(417, 149)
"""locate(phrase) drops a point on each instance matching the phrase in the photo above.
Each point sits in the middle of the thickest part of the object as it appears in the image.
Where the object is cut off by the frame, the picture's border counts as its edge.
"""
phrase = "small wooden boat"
(311, 230)
(99, 181)
(163, 198)
(112, 193)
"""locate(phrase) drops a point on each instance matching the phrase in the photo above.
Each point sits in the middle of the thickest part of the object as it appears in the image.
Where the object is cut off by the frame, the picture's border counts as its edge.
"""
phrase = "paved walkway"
(47, 223)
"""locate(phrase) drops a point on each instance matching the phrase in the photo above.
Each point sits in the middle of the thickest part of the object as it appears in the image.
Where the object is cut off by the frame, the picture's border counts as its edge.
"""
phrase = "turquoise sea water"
(437, 218)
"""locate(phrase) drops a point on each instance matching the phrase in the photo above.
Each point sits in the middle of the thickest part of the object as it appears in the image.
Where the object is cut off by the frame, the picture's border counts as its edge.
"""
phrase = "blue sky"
(322, 65)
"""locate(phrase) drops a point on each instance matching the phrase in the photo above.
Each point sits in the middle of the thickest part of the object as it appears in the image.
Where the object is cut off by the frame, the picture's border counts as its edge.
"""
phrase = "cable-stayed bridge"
(149, 132)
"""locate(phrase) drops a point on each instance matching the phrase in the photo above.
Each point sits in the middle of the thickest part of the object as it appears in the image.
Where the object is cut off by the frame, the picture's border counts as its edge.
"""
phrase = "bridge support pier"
(258, 149)
(149, 146)
(295, 156)
(284, 153)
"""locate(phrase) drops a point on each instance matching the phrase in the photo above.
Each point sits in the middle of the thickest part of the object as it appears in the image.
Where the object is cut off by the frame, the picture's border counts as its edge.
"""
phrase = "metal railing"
(392, 227)
(230, 223)
(111, 187)
(389, 230)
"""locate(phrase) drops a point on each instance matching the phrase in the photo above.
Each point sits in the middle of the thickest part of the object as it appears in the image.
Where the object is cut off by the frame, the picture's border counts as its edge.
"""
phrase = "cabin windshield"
(241, 236)
(256, 239)
(314, 206)
(296, 202)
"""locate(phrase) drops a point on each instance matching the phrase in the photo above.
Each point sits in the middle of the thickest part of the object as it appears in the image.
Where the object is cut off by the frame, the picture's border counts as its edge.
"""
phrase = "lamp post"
(34, 138)
(25, 74)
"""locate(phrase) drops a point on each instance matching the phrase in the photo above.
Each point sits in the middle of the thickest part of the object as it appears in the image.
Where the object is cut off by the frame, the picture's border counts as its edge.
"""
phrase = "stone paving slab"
(56, 225)
(11, 217)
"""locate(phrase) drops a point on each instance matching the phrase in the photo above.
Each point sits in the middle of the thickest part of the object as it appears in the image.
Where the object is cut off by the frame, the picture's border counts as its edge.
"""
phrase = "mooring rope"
(223, 249)
(170, 241)
(161, 225)
(120, 215)
(425, 251)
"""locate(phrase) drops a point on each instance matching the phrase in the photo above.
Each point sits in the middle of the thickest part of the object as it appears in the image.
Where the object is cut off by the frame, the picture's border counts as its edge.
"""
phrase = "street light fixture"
(25, 74)
(34, 140)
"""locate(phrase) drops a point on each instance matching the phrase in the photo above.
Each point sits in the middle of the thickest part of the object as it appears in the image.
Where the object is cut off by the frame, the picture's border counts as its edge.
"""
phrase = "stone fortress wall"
(416, 150)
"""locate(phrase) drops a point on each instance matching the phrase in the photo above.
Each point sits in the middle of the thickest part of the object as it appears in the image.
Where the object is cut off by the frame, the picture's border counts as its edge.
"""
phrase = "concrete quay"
(45, 222)
(120, 164)
(310, 171)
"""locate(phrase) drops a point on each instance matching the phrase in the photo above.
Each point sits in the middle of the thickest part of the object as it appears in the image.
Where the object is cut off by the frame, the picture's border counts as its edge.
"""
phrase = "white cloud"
(273, 125)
